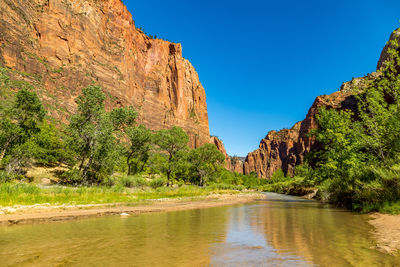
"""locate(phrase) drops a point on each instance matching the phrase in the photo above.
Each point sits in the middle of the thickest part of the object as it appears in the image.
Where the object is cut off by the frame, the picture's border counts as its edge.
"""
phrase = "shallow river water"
(281, 231)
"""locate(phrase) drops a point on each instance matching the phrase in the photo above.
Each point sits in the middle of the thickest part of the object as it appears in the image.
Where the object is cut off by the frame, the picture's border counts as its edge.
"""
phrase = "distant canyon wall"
(286, 149)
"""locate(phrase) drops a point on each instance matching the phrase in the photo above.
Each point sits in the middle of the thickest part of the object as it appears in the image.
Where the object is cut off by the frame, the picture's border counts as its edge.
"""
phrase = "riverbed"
(279, 231)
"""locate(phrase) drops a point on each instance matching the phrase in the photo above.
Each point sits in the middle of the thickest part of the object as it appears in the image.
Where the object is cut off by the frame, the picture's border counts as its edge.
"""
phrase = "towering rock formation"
(61, 46)
(286, 149)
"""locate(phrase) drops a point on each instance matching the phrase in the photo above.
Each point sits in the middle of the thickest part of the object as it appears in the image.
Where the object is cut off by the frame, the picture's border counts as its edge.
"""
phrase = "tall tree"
(379, 108)
(204, 161)
(172, 143)
(91, 135)
(21, 121)
(138, 150)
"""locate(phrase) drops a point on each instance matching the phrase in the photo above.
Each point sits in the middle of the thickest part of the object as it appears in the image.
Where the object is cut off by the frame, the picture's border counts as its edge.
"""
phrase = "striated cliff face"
(286, 149)
(277, 151)
(61, 46)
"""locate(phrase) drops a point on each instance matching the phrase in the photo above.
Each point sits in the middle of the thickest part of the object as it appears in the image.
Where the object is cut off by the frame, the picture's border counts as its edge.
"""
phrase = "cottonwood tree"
(173, 144)
(204, 161)
(91, 135)
(139, 147)
(20, 122)
(136, 139)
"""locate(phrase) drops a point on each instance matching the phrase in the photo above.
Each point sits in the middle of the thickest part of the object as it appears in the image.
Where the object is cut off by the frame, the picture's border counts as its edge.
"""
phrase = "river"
(280, 231)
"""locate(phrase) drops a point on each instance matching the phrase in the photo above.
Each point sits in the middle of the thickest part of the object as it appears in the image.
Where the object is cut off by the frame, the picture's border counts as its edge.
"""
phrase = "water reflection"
(282, 231)
(246, 245)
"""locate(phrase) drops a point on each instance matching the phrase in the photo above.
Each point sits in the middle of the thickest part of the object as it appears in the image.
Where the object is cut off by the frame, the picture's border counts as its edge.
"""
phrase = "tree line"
(96, 144)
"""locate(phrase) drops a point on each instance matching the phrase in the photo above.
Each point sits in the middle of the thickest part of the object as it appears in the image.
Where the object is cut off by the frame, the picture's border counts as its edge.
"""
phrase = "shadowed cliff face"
(61, 46)
(286, 149)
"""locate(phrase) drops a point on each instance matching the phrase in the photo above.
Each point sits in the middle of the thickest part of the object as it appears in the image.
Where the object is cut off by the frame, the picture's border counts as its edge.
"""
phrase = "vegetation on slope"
(358, 165)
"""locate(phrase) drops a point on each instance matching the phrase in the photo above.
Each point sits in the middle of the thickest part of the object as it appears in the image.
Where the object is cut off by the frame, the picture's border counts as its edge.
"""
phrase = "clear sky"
(262, 63)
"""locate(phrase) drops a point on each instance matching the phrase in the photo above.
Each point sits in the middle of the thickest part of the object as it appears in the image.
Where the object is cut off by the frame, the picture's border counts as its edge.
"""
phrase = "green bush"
(6, 177)
(71, 177)
(224, 186)
(133, 181)
(157, 182)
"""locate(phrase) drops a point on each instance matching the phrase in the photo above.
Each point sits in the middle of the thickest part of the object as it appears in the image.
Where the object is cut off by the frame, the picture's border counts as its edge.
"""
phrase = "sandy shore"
(387, 232)
(49, 213)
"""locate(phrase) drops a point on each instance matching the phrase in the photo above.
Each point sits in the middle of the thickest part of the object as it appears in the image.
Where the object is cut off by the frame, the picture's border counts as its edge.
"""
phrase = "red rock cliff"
(61, 46)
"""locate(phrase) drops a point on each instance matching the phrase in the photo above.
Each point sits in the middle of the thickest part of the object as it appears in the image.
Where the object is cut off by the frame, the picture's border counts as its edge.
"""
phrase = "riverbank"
(387, 232)
(51, 213)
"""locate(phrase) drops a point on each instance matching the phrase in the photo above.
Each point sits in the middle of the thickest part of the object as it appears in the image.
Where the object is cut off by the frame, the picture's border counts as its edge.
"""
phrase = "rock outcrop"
(233, 164)
(394, 37)
(61, 46)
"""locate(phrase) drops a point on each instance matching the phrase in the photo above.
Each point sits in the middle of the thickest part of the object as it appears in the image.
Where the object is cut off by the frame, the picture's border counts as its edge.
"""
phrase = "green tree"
(341, 155)
(50, 147)
(139, 147)
(20, 122)
(379, 108)
(10, 135)
(91, 136)
(172, 144)
(204, 161)
(28, 111)
(123, 119)
(137, 140)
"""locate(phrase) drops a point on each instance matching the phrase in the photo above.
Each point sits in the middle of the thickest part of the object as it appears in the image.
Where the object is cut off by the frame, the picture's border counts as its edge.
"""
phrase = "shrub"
(132, 181)
(157, 182)
(6, 177)
(223, 186)
(71, 177)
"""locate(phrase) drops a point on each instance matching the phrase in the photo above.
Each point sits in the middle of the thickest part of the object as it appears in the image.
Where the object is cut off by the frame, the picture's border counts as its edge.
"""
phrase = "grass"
(29, 194)
(383, 207)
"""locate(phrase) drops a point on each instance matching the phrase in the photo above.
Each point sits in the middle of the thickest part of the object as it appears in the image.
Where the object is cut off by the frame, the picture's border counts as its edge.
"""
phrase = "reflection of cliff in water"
(318, 233)
(246, 243)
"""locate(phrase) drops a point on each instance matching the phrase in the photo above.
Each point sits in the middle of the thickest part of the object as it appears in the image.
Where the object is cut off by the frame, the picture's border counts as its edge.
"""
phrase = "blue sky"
(262, 63)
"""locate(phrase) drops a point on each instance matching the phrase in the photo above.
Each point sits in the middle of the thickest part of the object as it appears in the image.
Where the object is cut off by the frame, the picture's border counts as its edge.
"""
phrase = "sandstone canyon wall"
(286, 149)
(233, 164)
(61, 46)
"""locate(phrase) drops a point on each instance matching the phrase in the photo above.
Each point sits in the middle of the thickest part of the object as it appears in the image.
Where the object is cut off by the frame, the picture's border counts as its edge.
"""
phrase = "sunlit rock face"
(286, 149)
(236, 165)
(395, 37)
(61, 46)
